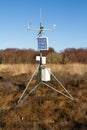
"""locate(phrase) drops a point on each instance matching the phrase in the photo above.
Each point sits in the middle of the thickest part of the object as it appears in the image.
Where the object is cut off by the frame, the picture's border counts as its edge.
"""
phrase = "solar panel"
(42, 43)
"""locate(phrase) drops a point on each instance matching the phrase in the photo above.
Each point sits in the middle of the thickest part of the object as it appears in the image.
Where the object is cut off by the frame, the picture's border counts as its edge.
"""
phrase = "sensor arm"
(41, 29)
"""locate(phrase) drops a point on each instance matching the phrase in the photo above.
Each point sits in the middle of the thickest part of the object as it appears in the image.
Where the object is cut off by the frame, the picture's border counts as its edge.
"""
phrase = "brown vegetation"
(44, 109)
(72, 55)
(26, 56)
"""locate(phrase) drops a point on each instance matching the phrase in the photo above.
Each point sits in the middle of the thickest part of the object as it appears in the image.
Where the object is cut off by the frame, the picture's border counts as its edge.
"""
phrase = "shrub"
(54, 58)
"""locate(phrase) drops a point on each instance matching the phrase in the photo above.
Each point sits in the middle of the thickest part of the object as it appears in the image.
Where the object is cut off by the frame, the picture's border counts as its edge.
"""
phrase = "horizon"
(31, 49)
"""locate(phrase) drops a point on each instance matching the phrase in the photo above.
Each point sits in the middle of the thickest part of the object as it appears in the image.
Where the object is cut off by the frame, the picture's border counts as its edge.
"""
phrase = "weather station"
(43, 72)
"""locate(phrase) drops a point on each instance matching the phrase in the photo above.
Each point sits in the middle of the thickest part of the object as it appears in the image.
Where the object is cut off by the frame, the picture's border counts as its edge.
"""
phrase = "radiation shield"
(42, 43)
(45, 74)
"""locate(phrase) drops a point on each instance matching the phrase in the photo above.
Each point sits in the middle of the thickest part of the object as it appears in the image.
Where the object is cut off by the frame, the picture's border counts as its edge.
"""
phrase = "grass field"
(18, 69)
(44, 109)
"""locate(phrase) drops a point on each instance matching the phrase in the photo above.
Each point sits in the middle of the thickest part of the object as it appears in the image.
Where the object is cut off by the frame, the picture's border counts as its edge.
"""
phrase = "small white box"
(45, 74)
(37, 58)
(43, 60)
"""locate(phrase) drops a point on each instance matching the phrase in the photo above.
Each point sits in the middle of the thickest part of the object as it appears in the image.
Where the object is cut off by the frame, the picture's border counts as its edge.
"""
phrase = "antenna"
(41, 29)
(44, 73)
(40, 16)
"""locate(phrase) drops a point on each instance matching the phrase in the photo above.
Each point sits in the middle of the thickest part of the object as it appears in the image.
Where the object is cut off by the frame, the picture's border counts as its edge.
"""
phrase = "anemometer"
(44, 73)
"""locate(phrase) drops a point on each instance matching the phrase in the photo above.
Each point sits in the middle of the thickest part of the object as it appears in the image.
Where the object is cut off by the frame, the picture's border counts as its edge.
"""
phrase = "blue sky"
(70, 16)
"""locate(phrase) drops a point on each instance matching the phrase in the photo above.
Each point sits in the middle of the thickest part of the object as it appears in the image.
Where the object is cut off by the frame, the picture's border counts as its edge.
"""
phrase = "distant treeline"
(72, 55)
(17, 56)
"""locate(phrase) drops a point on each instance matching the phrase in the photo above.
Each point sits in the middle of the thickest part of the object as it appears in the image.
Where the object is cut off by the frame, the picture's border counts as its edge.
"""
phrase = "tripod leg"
(57, 90)
(28, 85)
(61, 84)
(30, 92)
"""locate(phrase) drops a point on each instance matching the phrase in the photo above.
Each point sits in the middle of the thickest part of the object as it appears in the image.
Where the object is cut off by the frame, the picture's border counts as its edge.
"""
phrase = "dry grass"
(69, 68)
(18, 69)
(44, 109)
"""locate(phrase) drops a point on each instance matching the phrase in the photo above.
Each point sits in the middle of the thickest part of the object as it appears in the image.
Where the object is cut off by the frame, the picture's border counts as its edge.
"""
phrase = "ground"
(44, 109)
